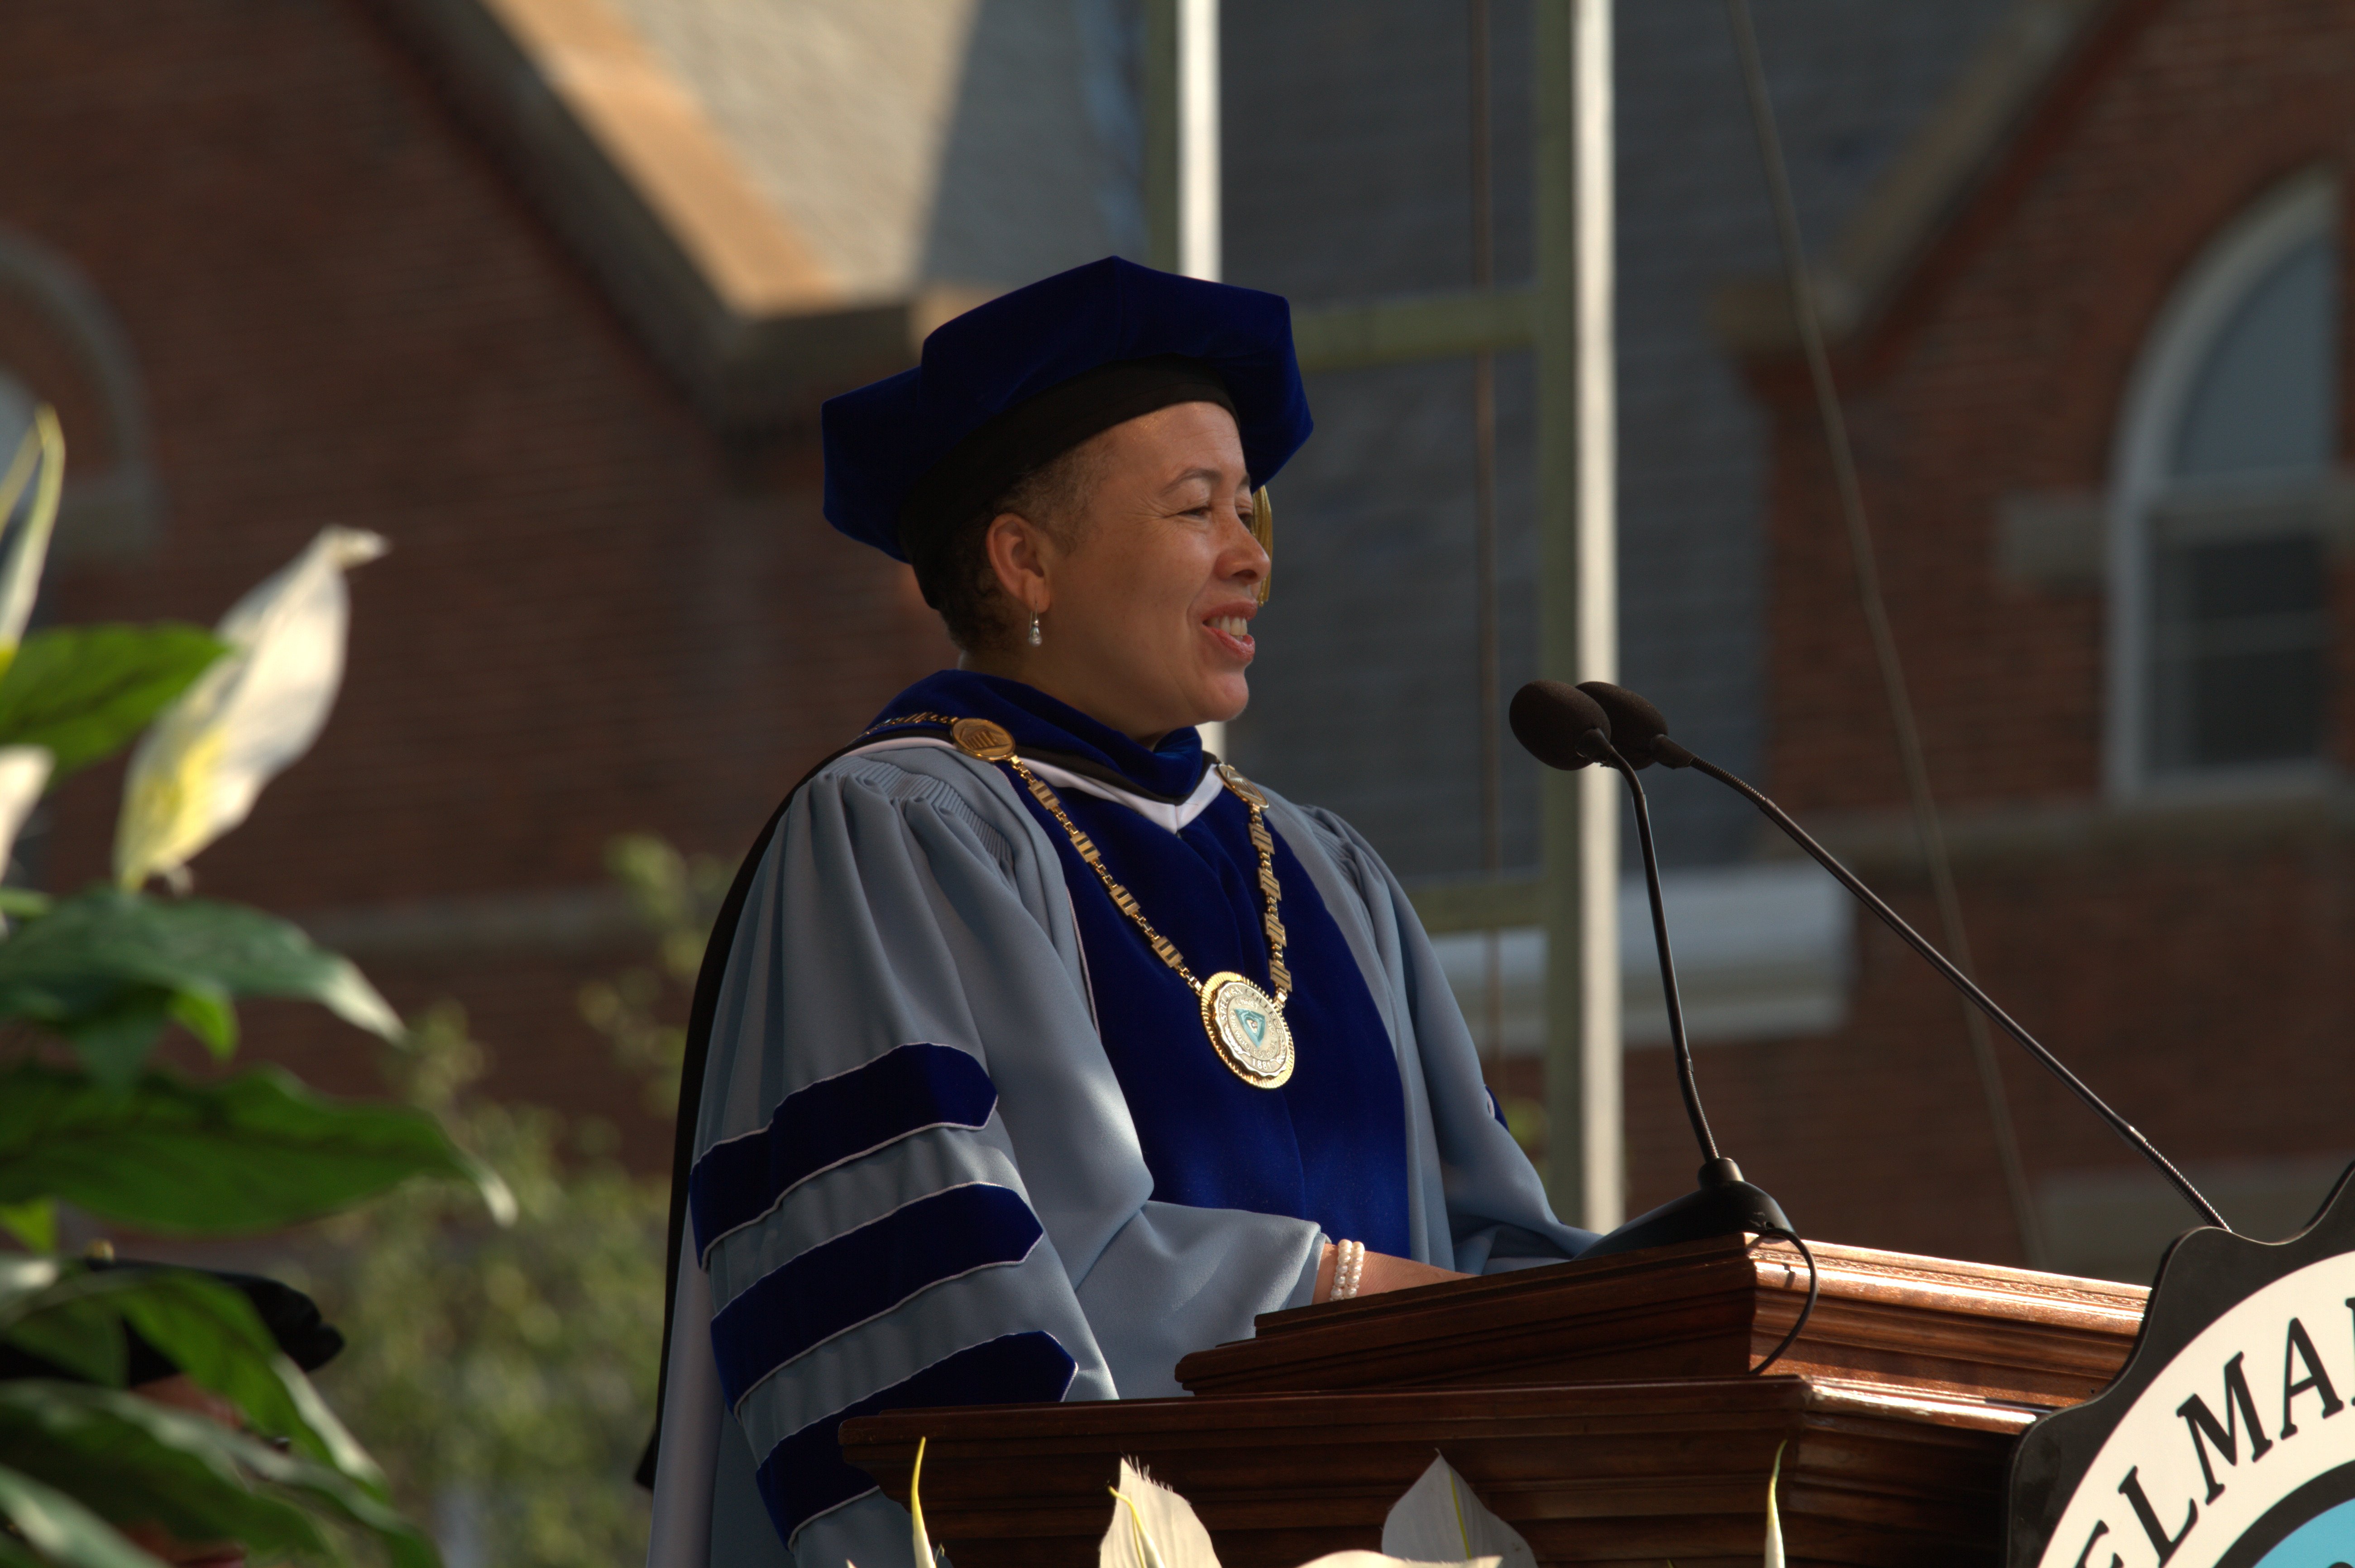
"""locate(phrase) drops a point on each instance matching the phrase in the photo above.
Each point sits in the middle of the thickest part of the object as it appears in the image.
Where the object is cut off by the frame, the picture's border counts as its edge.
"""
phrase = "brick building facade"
(2093, 391)
(277, 272)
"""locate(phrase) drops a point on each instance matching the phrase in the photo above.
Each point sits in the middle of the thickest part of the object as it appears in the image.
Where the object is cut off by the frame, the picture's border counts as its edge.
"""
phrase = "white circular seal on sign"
(2178, 1481)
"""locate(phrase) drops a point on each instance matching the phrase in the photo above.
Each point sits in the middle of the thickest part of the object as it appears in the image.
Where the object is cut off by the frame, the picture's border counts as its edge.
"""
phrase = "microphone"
(1566, 727)
(1640, 733)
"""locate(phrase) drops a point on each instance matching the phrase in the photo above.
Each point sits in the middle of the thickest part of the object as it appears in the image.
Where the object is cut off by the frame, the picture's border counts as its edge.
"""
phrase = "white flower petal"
(24, 774)
(1442, 1520)
(1152, 1527)
(198, 769)
(28, 551)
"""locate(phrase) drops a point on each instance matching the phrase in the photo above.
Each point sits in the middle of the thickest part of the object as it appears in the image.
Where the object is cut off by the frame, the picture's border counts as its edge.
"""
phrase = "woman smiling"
(1036, 1048)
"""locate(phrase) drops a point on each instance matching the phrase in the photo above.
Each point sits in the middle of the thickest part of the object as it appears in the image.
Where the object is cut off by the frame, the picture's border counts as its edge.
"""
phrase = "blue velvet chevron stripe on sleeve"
(806, 1475)
(833, 1121)
(863, 1273)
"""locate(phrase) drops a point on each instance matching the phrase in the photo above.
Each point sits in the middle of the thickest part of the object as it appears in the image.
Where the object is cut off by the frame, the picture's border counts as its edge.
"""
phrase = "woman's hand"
(1381, 1272)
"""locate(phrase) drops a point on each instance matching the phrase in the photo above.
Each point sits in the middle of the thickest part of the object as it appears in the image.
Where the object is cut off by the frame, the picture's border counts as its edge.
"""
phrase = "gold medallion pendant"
(980, 738)
(1247, 1029)
(1245, 1023)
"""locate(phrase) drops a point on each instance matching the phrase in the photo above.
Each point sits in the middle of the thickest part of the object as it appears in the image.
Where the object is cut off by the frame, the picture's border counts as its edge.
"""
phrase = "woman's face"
(1145, 615)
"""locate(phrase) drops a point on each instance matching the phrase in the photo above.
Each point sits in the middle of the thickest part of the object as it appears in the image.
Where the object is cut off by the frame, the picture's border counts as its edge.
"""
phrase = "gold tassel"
(1263, 530)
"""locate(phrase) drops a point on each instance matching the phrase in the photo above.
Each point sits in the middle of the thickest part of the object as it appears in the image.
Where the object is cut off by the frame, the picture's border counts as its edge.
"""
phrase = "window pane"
(2263, 400)
(2225, 580)
(2255, 707)
(2242, 638)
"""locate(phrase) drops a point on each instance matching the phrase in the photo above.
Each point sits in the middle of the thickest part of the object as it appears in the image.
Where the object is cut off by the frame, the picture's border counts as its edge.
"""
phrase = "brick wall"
(2192, 965)
(597, 615)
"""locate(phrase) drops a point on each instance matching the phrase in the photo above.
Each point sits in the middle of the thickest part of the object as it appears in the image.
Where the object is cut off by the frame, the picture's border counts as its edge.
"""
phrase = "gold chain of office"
(1245, 1023)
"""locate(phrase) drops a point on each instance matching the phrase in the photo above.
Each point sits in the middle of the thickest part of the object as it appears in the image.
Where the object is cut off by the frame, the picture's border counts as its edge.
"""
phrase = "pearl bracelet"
(1349, 1269)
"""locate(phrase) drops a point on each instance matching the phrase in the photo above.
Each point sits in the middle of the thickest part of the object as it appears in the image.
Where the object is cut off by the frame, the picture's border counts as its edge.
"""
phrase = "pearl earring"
(1034, 628)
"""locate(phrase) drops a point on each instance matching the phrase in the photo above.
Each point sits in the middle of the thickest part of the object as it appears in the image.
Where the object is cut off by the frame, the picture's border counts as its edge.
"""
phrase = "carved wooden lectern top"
(1708, 1308)
(1607, 1409)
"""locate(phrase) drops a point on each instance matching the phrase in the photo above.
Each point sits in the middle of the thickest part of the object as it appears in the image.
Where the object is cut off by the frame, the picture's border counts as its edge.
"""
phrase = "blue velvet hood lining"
(1330, 1146)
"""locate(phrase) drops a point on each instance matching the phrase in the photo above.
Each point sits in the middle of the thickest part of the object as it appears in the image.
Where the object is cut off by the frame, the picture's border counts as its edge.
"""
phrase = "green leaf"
(34, 1224)
(85, 691)
(75, 1334)
(251, 1153)
(23, 900)
(207, 1014)
(213, 1334)
(206, 1328)
(106, 966)
(113, 1042)
(62, 1530)
(52, 1310)
(137, 1462)
(15, 1553)
(140, 1460)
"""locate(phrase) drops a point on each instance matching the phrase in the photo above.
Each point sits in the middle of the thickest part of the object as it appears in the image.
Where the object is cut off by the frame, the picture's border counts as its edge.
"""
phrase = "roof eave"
(711, 276)
(1924, 190)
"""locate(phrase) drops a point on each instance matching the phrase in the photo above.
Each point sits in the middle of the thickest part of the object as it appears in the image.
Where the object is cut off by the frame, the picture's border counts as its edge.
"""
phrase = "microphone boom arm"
(1685, 1079)
(1666, 751)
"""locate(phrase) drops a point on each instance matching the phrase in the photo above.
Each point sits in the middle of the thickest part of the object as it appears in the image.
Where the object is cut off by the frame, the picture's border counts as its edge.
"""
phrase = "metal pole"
(1183, 164)
(1489, 680)
(1200, 245)
(1181, 136)
(1577, 482)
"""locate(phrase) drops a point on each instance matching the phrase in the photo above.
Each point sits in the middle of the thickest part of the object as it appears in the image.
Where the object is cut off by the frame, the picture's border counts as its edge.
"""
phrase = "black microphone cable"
(1687, 1078)
(1806, 1308)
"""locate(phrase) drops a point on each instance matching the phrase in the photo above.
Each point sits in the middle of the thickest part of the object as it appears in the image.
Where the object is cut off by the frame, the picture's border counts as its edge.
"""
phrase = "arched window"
(2219, 632)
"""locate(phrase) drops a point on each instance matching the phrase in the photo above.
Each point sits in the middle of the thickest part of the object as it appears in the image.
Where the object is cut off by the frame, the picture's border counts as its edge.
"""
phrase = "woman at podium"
(1043, 1048)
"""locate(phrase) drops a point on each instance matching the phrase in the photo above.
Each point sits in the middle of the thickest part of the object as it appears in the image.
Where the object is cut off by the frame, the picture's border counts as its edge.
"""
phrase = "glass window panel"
(2264, 401)
(2242, 643)
(2253, 577)
(2255, 707)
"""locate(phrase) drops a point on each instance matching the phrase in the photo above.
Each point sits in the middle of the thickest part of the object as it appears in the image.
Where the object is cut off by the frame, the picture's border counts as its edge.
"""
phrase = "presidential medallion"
(1244, 789)
(980, 738)
(1245, 1023)
(1247, 1027)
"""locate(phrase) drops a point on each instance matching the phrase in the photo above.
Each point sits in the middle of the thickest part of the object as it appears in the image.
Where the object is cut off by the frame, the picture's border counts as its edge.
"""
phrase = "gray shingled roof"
(1348, 152)
(915, 142)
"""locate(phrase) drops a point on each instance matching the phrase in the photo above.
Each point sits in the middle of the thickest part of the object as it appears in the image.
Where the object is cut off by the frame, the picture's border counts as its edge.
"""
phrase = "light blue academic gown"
(908, 903)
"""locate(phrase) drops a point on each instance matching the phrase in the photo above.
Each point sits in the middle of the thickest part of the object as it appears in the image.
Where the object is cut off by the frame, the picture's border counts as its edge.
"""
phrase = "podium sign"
(2227, 1442)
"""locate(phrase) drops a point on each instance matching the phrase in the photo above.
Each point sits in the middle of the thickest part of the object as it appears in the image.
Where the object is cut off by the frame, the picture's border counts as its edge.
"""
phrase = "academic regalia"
(962, 1138)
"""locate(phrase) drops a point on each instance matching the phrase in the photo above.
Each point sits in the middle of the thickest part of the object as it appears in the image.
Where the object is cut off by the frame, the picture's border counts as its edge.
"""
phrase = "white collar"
(1159, 812)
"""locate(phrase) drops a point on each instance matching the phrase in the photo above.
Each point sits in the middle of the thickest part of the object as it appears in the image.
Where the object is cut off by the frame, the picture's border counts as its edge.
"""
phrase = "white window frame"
(2203, 303)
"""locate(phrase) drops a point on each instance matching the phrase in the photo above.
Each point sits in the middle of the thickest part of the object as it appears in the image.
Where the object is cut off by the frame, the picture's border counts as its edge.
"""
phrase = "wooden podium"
(1608, 1409)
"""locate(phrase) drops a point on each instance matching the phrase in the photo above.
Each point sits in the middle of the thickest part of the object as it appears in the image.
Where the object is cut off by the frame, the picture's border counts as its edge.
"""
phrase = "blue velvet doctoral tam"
(1330, 1144)
(883, 439)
